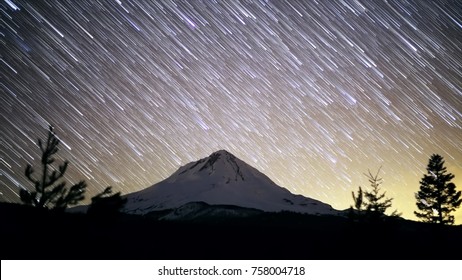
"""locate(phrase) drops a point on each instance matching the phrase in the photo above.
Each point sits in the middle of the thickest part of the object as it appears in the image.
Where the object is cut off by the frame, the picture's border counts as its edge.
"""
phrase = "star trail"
(311, 93)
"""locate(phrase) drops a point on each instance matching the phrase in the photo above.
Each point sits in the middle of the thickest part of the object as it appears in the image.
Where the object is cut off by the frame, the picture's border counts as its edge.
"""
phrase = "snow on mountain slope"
(221, 179)
(201, 210)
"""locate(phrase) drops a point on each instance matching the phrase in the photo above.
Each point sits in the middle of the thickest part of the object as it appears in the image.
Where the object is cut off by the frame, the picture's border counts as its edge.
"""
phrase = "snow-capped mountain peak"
(221, 165)
(221, 179)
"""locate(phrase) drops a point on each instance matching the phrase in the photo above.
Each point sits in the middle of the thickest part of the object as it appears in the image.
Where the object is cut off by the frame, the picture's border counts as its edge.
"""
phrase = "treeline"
(38, 233)
(436, 199)
(50, 190)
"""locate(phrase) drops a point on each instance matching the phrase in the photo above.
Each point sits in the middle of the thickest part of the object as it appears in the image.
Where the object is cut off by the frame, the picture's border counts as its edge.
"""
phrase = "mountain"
(221, 179)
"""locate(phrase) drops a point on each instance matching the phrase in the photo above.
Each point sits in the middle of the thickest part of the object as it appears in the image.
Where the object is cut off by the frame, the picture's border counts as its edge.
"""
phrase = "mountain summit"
(221, 179)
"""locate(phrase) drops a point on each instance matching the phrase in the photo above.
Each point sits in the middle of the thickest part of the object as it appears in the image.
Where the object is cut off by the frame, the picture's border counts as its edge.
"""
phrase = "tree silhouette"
(106, 203)
(374, 202)
(358, 200)
(355, 210)
(437, 196)
(48, 192)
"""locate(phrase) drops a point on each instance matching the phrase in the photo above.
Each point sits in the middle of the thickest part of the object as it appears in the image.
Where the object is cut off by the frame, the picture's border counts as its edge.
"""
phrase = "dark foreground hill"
(27, 233)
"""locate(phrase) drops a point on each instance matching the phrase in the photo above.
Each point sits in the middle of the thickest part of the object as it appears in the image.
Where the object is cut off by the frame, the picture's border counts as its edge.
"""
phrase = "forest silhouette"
(41, 228)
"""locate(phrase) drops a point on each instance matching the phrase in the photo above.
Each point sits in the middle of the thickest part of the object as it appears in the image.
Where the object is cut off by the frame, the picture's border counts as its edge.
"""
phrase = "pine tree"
(106, 203)
(48, 192)
(437, 196)
(374, 202)
(355, 212)
(358, 200)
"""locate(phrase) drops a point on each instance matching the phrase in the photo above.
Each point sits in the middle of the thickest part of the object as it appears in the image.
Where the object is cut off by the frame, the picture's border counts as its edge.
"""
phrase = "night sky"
(311, 93)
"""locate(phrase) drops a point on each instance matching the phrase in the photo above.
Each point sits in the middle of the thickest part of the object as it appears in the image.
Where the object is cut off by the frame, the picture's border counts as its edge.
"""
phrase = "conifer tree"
(355, 211)
(374, 202)
(106, 203)
(48, 191)
(437, 196)
(358, 200)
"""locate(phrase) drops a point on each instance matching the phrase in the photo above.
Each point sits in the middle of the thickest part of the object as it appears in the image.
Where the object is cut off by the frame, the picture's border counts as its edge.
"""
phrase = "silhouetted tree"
(358, 200)
(355, 210)
(437, 196)
(48, 192)
(374, 202)
(106, 203)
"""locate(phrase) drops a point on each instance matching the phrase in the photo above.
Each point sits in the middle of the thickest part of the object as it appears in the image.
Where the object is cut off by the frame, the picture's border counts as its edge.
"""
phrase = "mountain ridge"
(222, 179)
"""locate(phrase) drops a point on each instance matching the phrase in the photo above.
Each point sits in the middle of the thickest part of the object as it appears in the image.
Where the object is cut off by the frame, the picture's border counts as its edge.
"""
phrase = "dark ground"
(27, 233)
